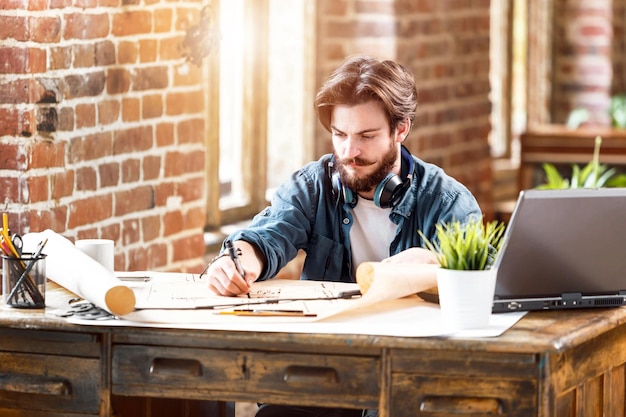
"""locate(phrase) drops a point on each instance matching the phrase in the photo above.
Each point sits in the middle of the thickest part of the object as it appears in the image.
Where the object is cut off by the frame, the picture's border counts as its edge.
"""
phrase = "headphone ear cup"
(388, 191)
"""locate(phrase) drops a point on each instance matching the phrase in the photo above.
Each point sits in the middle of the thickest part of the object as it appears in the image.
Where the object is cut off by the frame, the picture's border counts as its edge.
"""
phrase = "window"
(260, 105)
(508, 76)
(521, 39)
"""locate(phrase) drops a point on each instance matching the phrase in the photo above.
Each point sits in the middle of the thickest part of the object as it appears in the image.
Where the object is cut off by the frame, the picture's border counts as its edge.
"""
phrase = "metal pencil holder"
(24, 281)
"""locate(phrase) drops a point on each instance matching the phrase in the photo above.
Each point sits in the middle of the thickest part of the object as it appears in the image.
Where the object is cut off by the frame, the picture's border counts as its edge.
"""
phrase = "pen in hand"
(235, 257)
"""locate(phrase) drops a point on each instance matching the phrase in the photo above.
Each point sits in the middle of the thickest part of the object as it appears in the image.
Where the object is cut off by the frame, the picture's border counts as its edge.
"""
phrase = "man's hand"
(223, 276)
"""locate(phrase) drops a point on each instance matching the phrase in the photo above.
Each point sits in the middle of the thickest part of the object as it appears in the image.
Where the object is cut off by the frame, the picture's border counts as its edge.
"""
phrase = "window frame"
(254, 124)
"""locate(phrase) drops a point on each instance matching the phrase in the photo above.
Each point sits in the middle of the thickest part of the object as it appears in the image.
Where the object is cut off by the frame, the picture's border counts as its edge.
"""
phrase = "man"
(365, 202)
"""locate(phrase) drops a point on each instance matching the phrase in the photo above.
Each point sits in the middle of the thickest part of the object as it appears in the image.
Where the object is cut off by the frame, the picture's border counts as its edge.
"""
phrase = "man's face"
(365, 150)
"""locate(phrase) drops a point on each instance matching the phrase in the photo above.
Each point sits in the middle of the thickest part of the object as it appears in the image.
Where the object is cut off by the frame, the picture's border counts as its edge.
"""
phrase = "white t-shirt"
(371, 234)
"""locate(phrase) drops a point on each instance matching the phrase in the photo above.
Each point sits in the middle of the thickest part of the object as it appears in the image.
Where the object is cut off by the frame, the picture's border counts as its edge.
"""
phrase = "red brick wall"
(618, 84)
(446, 45)
(102, 126)
(583, 68)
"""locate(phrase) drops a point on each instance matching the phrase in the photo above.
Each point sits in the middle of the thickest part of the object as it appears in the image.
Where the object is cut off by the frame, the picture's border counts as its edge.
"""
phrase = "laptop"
(563, 249)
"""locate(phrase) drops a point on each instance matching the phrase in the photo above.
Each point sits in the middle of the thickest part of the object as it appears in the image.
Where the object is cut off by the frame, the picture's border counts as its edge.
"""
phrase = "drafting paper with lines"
(165, 290)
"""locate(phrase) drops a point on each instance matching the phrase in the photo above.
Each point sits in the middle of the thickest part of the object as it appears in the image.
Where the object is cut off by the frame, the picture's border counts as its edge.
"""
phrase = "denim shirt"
(306, 213)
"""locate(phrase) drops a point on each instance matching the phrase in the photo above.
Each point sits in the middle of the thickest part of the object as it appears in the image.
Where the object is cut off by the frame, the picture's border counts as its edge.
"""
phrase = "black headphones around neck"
(387, 193)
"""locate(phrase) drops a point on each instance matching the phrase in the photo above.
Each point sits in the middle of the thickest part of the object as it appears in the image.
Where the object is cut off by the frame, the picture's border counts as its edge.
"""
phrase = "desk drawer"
(209, 373)
(47, 382)
(446, 383)
(414, 395)
(50, 372)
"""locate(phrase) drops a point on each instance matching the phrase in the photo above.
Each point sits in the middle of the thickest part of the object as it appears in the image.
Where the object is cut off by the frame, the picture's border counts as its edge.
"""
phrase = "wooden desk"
(568, 363)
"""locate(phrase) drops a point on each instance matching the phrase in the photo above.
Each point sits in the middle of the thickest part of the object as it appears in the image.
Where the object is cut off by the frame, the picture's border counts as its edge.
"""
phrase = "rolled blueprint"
(76, 271)
(387, 281)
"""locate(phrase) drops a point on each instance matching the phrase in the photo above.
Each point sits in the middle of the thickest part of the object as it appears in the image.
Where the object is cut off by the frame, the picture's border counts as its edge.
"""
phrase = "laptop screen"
(564, 242)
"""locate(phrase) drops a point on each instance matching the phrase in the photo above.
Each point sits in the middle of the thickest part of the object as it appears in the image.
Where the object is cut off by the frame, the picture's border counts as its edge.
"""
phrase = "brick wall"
(583, 58)
(102, 126)
(618, 83)
(446, 45)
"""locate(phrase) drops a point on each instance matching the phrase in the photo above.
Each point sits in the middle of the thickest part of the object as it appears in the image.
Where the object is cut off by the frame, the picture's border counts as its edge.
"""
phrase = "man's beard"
(369, 182)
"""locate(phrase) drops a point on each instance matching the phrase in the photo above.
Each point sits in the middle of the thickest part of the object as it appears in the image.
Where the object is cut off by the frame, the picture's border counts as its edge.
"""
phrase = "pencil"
(266, 313)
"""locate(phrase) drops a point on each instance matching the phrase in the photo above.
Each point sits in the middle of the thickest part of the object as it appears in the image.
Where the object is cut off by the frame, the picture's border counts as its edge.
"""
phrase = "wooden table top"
(542, 331)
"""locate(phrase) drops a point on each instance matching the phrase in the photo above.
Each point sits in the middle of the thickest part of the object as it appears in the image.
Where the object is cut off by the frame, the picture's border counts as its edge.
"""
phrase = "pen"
(235, 258)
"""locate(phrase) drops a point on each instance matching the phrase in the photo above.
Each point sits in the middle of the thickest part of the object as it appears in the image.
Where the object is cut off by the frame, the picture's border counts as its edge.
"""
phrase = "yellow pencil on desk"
(267, 313)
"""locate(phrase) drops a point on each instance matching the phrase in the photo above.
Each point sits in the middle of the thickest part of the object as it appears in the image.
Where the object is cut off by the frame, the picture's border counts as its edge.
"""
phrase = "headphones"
(387, 193)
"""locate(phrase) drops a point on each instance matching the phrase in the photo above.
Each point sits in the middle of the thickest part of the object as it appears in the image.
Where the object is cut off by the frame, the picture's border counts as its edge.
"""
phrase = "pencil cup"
(24, 281)
(100, 250)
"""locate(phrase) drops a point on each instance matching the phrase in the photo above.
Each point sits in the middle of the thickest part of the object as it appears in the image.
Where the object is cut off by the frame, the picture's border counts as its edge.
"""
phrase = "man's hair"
(360, 79)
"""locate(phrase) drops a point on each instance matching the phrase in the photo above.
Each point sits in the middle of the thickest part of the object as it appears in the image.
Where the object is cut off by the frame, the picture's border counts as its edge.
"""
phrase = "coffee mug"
(101, 250)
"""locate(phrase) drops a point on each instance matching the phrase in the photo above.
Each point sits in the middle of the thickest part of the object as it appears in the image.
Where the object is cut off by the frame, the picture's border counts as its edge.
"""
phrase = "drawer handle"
(461, 405)
(310, 375)
(31, 384)
(175, 367)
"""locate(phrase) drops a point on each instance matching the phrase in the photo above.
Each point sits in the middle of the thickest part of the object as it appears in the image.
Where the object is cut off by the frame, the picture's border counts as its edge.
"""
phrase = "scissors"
(18, 244)
(83, 309)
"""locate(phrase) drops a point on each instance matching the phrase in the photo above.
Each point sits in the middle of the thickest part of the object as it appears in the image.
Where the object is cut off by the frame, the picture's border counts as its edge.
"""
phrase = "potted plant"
(466, 280)
(592, 175)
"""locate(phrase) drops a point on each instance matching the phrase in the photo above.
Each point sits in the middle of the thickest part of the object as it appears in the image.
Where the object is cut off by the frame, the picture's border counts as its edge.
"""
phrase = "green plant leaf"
(577, 174)
(577, 117)
(586, 176)
(472, 245)
(617, 181)
(553, 177)
(605, 177)
(617, 111)
(592, 175)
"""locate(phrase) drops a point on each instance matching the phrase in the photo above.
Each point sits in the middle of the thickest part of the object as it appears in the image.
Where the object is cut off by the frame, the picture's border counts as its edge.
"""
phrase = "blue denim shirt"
(307, 214)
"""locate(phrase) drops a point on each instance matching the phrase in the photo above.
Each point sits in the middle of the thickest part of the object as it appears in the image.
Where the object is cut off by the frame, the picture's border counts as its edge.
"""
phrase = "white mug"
(101, 250)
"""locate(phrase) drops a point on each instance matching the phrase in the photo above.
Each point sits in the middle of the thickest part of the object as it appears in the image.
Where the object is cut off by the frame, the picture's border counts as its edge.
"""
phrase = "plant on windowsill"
(466, 280)
(592, 175)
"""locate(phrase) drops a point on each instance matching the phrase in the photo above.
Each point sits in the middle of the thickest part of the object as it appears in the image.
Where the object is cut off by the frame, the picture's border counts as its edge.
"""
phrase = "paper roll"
(395, 280)
(72, 269)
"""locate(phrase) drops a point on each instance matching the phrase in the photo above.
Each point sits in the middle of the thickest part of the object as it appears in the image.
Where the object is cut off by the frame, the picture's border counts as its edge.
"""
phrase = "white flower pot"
(466, 297)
